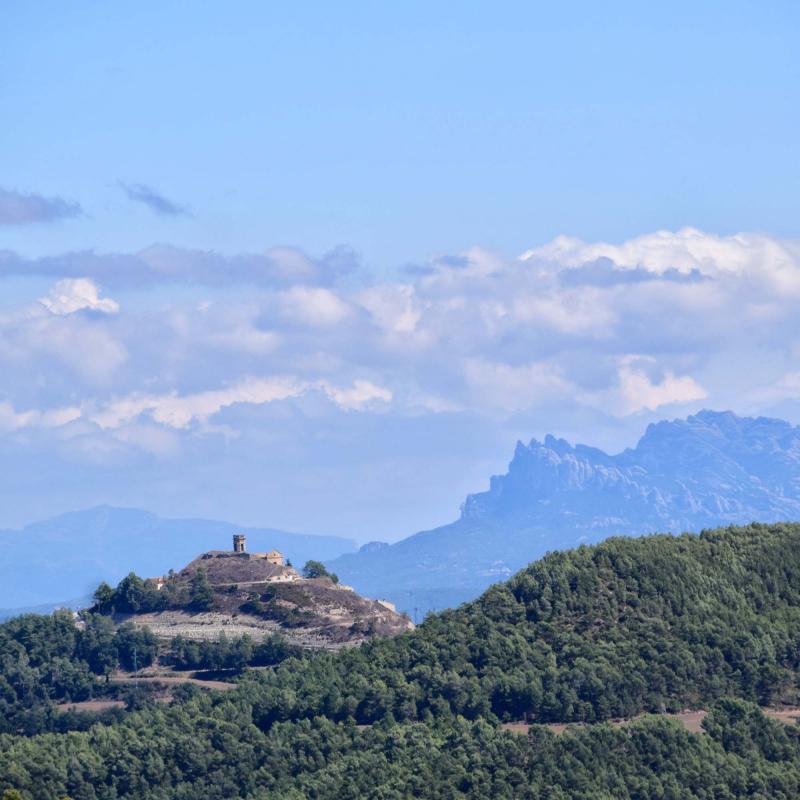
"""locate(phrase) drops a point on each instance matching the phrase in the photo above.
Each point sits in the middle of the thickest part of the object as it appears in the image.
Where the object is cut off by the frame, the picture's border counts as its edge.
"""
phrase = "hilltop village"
(237, 592)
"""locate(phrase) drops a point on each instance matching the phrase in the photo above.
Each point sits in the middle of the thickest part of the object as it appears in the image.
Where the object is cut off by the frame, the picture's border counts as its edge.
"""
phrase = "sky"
(318, 266)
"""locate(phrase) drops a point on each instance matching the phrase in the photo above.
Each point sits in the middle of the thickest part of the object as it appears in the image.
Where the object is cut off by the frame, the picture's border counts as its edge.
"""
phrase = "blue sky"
(299, 265)
(404, 129)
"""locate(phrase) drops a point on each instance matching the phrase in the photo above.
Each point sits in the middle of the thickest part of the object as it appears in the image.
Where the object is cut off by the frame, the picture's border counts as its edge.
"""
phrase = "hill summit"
(235, 592)
(711, 469)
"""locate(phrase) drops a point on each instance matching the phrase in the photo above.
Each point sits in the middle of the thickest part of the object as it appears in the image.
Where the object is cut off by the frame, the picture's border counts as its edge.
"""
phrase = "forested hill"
(626, 626)
(631, 625)
(711, 469)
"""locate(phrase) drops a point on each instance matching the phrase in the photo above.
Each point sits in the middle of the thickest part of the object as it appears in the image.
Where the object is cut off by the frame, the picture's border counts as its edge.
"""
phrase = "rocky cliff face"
(711, 469)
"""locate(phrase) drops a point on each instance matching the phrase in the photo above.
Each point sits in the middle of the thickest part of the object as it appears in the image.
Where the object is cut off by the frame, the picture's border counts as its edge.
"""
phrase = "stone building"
(272, 557)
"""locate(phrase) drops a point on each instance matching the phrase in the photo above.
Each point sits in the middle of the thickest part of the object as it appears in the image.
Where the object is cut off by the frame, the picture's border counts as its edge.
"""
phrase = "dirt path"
(692, 721)
(172, 680)
(263, 581)
(128, 679)
(94, 706)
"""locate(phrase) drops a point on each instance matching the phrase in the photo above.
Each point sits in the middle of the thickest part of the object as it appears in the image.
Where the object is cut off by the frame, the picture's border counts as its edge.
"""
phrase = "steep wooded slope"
(629, 625)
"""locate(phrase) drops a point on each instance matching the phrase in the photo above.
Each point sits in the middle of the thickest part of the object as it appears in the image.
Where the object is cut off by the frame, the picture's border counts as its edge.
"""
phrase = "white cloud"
(240, 335)
(571, 311)
(394, 308)
(358, 396)
(153, 439)
(636, 390)
(513, 388)
(13, 420)
(314, 306)
(473, 333)
(77, 294)
(35, 342)
(744, 254)
(181, 411)
(639, 392)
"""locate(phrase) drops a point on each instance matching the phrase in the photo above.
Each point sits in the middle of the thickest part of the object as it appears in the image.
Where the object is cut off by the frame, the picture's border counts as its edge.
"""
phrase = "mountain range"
(61, 560)
(714, 468)
(711, 469)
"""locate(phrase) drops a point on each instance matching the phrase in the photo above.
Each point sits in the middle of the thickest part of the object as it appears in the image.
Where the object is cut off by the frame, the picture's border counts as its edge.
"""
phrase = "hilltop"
(235, 592)
(711, 469)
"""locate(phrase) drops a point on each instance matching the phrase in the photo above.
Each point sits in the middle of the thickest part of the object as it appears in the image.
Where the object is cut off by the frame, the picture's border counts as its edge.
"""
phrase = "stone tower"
(239, 540)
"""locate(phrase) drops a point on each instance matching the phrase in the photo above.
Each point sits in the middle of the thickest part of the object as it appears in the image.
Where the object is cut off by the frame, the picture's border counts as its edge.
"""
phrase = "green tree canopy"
(201, 593)
(316, 569)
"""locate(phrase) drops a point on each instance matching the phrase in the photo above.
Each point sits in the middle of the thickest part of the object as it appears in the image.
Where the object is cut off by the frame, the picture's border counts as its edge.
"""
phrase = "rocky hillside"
(685, 475)
(242, 593)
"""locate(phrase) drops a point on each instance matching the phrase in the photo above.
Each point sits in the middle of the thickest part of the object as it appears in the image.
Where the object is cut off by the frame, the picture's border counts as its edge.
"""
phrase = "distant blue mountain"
(708, 470)
(47, 563)
(46, 608)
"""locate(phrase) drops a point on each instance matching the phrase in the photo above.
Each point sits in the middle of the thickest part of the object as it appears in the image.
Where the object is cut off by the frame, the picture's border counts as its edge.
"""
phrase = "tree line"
(204, 746)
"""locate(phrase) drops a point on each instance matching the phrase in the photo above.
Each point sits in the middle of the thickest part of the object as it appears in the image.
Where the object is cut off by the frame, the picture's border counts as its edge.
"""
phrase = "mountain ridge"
(711, 469)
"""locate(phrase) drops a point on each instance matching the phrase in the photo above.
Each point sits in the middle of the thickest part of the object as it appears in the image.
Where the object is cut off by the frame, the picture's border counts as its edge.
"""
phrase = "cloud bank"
(622, 328)
(313, 361)
(164, 265)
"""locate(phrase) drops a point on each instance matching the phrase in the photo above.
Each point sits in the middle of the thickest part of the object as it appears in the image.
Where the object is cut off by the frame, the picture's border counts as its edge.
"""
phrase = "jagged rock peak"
(710, 468)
